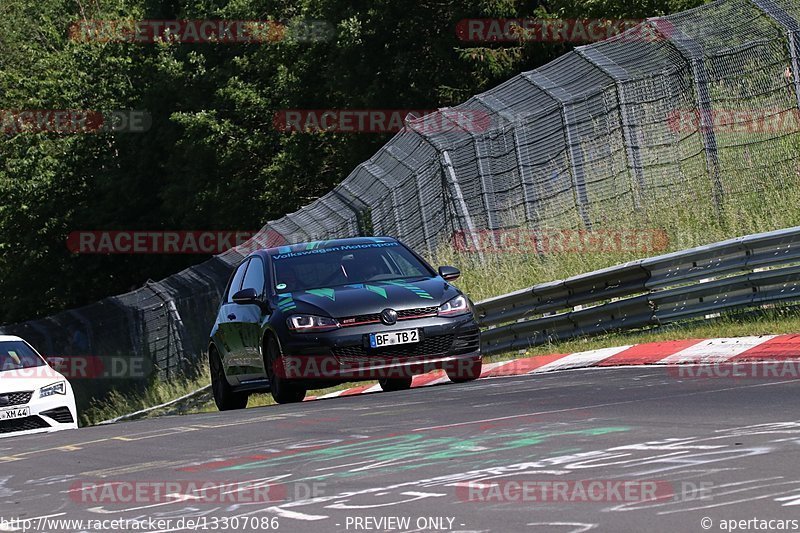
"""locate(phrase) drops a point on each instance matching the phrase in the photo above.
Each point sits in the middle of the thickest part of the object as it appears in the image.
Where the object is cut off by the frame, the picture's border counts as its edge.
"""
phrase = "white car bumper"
(23, 411)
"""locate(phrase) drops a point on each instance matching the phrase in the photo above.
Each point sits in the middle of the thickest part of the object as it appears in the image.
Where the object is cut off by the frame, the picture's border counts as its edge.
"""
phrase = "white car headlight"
(454, 307)
(54, 388)
(307, 323)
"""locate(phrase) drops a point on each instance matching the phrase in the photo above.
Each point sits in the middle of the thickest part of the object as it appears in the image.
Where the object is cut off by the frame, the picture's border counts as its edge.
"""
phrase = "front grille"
(15, 398)
(62, 415)
(404, 314)
(431, 347)
(360, 319)
(23, 424)
(419, 311)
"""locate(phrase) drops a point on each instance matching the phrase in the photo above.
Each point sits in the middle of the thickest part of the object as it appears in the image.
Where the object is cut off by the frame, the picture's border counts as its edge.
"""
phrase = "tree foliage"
(212, 158)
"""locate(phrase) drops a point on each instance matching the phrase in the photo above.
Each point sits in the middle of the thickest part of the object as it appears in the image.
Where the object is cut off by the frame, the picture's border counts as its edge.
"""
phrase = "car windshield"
(344, 265)
(15, 355)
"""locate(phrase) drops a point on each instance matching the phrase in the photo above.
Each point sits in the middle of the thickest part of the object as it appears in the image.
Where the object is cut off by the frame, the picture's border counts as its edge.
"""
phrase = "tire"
(395, 384)
(224, 396)
(465, 371)
(282, 389)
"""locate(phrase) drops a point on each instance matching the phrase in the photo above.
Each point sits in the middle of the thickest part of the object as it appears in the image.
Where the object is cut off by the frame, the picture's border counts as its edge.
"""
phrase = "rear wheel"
(393, 384)
(224, 396)
(282, 389)
(465, 371)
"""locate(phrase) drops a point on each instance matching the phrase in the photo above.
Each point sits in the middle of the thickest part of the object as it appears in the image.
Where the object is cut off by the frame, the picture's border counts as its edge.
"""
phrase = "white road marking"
(716, 350)
(581, 359)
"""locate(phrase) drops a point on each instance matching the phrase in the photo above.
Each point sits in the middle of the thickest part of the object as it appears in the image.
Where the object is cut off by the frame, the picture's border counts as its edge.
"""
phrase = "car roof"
(7, 338)
(321, 245)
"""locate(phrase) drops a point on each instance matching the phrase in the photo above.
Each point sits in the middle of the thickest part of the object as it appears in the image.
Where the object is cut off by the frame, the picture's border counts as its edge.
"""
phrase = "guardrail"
(733, 274)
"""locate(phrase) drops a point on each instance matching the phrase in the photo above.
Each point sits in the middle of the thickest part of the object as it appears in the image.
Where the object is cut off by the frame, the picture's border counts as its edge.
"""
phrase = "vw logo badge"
(389, 316)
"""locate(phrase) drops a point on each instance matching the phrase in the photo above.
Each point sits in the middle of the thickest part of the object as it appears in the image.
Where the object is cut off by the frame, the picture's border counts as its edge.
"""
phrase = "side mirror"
(449, 273)
(245, 296)
(250, 297)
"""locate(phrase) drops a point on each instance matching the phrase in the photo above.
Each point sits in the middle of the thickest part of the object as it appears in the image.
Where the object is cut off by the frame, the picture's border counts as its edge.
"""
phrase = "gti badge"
(389, 317)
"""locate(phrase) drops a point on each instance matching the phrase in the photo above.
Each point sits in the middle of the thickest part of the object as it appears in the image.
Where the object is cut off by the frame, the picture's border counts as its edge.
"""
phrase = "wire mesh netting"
(670, 113)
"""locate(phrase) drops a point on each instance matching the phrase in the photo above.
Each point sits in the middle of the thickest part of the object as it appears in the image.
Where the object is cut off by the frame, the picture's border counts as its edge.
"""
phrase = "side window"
(236, 282)
(406, 268)
(254, 279)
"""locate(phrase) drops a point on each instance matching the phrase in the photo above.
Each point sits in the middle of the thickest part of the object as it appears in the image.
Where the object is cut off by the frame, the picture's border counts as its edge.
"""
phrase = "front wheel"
(282, 389)
(395, 384)
(224, 396)
(465, 370)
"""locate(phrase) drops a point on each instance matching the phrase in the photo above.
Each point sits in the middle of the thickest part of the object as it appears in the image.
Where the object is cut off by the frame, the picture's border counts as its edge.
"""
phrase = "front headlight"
(307, 323)
(54, 388)
(457, 306)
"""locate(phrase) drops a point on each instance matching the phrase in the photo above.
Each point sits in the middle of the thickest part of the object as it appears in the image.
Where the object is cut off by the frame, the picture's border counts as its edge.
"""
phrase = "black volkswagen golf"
(316, 314)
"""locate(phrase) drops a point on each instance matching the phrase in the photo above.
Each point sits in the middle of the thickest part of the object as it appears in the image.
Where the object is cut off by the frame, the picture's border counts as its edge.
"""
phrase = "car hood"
(28, 379)
(359, 299)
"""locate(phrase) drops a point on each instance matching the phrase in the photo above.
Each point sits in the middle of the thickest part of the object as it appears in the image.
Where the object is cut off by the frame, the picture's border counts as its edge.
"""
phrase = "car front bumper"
(52, 413)
(447, 343)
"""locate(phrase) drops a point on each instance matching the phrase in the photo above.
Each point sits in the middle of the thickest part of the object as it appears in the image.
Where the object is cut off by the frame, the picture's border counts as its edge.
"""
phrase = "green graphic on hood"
(376, 290)
(286, 302)
(323, 293)
(413, 288)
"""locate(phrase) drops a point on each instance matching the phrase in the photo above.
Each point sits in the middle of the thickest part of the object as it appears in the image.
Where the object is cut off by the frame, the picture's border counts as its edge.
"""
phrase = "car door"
(249, 318)
(228, 338)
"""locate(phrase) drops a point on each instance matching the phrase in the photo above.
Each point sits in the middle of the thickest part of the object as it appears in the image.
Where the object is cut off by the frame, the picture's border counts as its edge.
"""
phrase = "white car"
(34, 398)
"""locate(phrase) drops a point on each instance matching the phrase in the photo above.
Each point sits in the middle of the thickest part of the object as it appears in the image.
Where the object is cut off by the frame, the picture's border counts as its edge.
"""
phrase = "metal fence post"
(574, 154)
(514, 120)
(531, 213)
(792, 26)
(360, 211)
(693, 52)
(620, 75)
(380, 175)
(460, 203)
(175, 327)
(486, 185)
(403, 157)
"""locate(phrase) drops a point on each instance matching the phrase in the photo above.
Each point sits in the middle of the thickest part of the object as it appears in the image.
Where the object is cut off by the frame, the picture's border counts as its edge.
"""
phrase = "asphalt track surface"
(441, 458)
